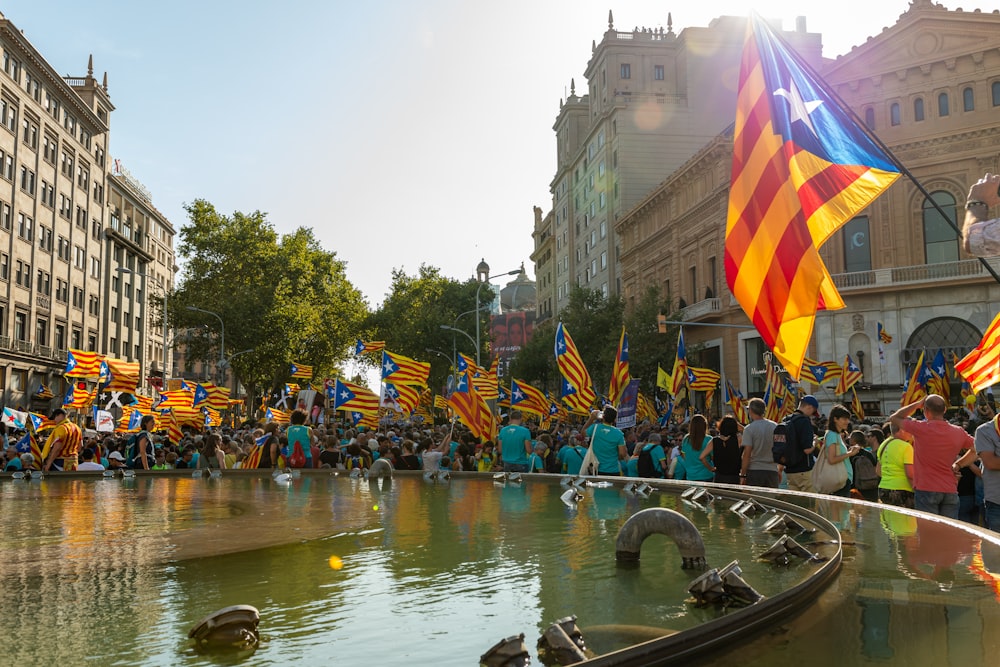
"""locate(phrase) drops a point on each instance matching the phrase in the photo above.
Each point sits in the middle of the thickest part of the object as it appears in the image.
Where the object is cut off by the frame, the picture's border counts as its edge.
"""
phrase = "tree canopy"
(410, 318)
(282, 299)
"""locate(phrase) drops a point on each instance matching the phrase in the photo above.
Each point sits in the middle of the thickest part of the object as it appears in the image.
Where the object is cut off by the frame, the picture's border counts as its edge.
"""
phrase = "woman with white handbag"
(833, 472)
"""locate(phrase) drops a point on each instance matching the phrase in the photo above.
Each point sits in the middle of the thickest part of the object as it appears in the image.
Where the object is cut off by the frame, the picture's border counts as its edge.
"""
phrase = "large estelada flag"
(619, 371)
(300, 371)
(802, 167)
(354, 397)
(578, 389)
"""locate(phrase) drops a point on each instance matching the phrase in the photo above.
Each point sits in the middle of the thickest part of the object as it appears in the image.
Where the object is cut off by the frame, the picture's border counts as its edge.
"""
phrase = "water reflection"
(147, 557)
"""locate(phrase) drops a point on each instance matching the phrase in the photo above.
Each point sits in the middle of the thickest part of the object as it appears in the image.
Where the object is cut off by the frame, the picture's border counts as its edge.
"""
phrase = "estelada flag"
(619, 371)
(82, 364)
(301, 371)
(578, 389)
(981, 366)
(402, 370)
(802, 167)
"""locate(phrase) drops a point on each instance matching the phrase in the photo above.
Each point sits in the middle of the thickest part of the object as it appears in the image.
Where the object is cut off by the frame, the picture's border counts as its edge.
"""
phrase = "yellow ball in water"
(336, 563)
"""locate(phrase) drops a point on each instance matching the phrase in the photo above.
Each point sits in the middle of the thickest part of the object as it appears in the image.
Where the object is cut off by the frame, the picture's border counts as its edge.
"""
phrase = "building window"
(4, 266)
(45, 238)
(940, 241)
(870, 118)
(24, 227)
(995, 90)
(968, 100)
(62, 290)
(44, 286)
(604, 229)
(41, 331)
(60, 335)
(8, 114)
(894, 113)
(20, 326)
(626, 71)
(857, 245)
(604, 260)
(95, 267)
(918, 109)
(658, 72)
(943, 104)
(79, 258)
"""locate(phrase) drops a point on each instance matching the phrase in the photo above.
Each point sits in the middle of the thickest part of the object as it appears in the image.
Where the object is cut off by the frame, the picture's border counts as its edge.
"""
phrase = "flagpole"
(867, 131)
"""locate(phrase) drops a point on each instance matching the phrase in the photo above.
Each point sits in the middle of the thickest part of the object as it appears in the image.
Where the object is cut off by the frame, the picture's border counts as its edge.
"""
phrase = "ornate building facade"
(652, 99)
(63, 235)
(930, 88)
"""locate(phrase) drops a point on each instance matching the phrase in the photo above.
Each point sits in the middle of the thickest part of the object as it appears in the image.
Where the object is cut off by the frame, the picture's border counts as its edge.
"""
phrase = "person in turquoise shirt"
(515, 444)
(692, 446)
(607, 441)
(834, 448)
(571, 456)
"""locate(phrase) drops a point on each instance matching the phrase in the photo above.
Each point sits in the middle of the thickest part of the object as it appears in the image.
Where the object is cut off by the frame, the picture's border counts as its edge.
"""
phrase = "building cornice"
(11, 33)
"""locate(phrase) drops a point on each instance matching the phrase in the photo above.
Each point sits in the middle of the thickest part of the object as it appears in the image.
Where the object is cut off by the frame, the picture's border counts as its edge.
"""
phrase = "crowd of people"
(945, 466)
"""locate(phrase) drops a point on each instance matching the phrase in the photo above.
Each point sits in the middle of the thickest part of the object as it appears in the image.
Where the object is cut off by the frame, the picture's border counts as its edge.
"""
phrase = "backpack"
(785, 447)
(298, 457)
(865, 478)
(646, 466)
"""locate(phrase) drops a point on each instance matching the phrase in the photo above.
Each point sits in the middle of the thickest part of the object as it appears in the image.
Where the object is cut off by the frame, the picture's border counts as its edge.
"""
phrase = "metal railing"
(910, 275)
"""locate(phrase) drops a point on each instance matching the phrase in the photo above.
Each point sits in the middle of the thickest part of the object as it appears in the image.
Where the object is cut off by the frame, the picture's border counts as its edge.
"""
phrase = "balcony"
(914, 275)
(703, 308)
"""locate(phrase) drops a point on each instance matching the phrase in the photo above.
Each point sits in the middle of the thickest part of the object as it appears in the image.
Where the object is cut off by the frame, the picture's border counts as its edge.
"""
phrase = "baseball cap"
(809, 399)
(116, 455)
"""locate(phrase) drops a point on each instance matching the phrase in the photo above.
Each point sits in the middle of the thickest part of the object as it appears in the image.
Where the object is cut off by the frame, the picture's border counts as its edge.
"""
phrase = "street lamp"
(483, 277)
(222, 341)
(145, 285)
(454, 352)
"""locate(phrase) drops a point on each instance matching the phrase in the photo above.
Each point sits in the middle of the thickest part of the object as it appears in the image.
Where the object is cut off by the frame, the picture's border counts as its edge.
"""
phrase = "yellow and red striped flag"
(856, 406)
(361, 347)
(801, 169)
(619, 371)
(679, 375)
(526, 398)
(440, 402)
(735, 400)
(404, 396)
(83, 364)
(703, 379)
(465, 402)
(915, 387)
(178, 398)
(119, 375)
(402, 370)
(578, 389)
(301, 371)
(818, 372)
(981, 366)
(277, 416)
(354, 398)
(850, 375)
(966, 386)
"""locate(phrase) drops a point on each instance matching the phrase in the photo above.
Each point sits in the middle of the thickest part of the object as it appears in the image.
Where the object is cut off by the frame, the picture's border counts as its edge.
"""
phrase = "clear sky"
(402, 132)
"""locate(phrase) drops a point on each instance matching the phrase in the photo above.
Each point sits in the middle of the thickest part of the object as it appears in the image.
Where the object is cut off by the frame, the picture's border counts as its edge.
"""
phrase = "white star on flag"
(799, 109)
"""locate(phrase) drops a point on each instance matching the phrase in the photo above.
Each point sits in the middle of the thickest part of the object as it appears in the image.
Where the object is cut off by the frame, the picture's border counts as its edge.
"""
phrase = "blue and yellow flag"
(802, 167)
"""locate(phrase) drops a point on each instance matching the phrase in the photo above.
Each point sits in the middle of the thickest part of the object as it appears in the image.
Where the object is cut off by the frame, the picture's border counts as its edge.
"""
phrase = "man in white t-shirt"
(88, 461)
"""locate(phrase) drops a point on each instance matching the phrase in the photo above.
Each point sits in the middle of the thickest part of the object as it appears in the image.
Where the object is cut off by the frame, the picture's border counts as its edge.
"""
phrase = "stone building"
(652, 99)
(930, 88)
(62, 236)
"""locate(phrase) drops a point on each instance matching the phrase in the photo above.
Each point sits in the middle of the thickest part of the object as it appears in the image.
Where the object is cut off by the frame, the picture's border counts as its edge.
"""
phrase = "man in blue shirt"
(607, 441)
(514, 443)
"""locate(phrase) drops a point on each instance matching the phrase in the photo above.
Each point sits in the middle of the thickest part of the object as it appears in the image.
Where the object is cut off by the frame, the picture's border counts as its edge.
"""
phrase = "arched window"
(940, 240)
(949, 334)
(968, 100)
(995, 88)
(943, 104)
(918, 109)
(894, 113)
(870, 118)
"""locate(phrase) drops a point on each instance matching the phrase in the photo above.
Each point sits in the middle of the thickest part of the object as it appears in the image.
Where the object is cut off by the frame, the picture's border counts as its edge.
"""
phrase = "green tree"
(282, 299)
(410, 318)
(594, 322)
(647, 346)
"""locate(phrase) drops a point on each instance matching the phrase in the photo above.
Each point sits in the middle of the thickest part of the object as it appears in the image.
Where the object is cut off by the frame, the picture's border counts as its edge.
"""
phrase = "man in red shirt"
(937, 455)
